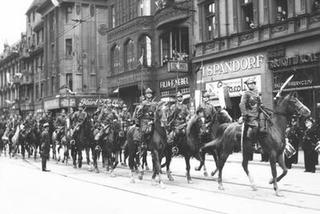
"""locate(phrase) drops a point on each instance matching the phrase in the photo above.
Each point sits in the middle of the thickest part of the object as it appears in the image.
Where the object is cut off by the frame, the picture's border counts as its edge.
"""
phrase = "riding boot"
(262, 124)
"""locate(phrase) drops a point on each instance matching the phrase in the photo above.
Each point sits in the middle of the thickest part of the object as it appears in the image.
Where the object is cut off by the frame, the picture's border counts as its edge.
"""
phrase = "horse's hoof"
(74, 166)
(140, 177)
(278, 194)
(220, 187)
(132, 181)
(170, 177)
(196, 169)
(205, 174)
(190, 181)
(213, 173)
(161, 184)
(147, 168)
(254, 188)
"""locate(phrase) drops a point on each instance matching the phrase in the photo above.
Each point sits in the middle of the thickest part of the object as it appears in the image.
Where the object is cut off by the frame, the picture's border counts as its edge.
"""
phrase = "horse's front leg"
(187, 160)
(245, 161)
(273, 161)
(283, 166)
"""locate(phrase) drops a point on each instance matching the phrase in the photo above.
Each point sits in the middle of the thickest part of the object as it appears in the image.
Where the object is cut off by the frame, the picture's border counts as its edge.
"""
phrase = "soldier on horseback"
(178, 119)
(250, 106)
(209, 113)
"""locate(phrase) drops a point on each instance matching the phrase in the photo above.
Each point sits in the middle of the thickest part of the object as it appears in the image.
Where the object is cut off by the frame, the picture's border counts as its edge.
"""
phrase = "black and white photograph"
(159, 106)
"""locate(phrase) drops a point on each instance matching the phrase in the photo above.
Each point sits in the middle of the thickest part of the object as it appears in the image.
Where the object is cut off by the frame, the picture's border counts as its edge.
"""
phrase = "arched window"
(145, 50)
(144, 8)
(115, 59)
(129, 55)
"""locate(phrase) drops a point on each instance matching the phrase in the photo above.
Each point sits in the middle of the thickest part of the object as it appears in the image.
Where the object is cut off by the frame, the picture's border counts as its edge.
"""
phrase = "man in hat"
(60, 121)
(81, 114)
(250, 105)
(178, 119)
(148, 94)
(45, 147)
(209, 114)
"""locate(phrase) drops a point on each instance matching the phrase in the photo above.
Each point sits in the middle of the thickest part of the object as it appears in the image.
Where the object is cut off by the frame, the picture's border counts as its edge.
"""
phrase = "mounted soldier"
(80, 116)
(178, 119)
(252, 116)
(209, 114)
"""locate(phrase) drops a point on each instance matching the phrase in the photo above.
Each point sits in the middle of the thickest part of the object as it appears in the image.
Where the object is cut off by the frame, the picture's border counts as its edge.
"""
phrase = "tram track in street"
(192, 187)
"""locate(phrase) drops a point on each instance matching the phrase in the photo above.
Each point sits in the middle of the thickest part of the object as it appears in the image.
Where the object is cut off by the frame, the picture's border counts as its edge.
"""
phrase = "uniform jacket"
(311, 137)
(45, 143)
(250, 103)
(209, 112)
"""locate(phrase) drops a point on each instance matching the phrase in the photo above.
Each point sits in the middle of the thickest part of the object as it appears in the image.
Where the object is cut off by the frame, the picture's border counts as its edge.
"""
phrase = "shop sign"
(243, 64)
(65, 102)
(177, 66)
(300, 79)
(286, 62)
(235, 87)
(173, 83)
(92, 101)
(51, 104)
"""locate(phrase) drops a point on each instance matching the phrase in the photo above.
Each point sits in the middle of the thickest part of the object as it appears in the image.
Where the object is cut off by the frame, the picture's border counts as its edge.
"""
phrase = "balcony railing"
(262, 33)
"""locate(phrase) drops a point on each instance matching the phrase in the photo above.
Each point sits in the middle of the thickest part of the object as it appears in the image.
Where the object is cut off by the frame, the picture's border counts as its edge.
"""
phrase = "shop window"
(210, 13)
(68, 47)
(69, 82)
(115, 59)
(174, 45)
(129, 55)
(144, 8)
(145, 50)
(282, 10)
(247, 11)
(68, 13)
(316, 6)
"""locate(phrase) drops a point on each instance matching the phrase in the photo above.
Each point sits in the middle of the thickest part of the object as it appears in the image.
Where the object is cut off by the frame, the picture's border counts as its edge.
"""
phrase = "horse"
(158, 145)
(16, 141)
(32, 141)
(82, 135)
(273, 142)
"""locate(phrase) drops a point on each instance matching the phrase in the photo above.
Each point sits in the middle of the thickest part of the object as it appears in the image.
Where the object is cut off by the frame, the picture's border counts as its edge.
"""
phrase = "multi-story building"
(265, 39)
(74, 52)
(32, 84)
(10, 76)
(149, 42)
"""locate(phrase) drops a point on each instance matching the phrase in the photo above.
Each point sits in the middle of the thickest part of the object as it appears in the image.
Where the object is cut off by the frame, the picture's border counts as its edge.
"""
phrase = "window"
(145, 50)
(316, 5)
(210, 13)
(52, 85)
(282, 10)
(144, 8)
(68, 47)
(174, 45)
(129, 55)
(247, 11)
(68, 13)
(115, 58)
(52, 52)
(42, 90)
(113, 16)
(69, 82)
(37, 91)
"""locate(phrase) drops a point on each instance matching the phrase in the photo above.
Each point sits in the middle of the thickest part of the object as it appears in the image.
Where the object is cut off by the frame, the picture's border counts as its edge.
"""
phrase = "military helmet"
(250, 80)
(205, 94)
(148, 93)
(179, 94)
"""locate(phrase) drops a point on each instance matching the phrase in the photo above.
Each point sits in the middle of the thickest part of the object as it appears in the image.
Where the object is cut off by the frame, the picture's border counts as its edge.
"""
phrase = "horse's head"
(290, 104)
(162, 113)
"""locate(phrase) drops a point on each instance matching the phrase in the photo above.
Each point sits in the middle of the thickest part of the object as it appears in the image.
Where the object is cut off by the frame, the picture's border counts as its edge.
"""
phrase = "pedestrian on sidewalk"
(310, 139)
(45, 147)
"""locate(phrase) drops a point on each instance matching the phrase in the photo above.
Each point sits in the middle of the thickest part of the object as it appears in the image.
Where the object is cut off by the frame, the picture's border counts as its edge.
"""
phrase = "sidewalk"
(237, 157)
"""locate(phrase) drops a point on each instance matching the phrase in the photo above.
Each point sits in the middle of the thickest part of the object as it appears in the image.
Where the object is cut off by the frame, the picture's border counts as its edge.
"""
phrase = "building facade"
(247, 38)
(149, 42)
(74, 58)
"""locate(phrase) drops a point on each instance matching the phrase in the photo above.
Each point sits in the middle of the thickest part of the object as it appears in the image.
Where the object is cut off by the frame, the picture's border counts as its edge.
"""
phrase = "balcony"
(280, 30)
(173, 11)
(130, 78)
(138, 24)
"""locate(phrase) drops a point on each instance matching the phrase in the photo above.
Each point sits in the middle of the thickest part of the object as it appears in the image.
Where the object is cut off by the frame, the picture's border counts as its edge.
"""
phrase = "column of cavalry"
(165, 129)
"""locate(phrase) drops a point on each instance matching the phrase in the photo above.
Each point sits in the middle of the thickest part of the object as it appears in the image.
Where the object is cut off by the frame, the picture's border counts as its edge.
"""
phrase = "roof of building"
(35, 4)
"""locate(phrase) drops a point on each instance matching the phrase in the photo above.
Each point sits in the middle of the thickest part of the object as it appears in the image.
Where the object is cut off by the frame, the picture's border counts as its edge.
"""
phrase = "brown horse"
(273, 142)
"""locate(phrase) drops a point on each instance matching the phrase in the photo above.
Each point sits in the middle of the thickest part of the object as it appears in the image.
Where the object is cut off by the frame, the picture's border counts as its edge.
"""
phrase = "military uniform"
(145, 114)
(45, 146)
(178, 119)
(209, 115)
(250, 109)
(309, 143)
